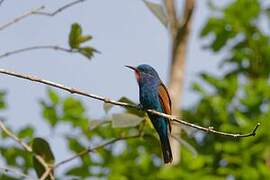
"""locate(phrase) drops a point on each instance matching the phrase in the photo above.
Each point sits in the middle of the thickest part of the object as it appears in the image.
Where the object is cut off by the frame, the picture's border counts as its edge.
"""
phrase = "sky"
(124, 31)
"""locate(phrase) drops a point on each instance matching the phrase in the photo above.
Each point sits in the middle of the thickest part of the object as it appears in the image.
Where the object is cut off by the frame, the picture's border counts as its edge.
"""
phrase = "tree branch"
(57, 48)
(59, 9)
(211, 129)
(37, 12)
(6, 170)
(188, 11)
(14, 137)
(107, 100)
(172, 17)
(19, 18)
(84, 152)
(25, 146)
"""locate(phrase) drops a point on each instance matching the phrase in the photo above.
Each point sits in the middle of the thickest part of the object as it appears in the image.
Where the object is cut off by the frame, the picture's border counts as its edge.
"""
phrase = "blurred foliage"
(158, 11)
(13, 154)
(76, 39)
(2, 100)
(42, 148)
(233, 102)
(237, 100)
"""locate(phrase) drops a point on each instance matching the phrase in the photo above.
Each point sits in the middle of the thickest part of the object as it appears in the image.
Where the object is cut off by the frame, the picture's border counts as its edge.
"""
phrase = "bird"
(154, 95)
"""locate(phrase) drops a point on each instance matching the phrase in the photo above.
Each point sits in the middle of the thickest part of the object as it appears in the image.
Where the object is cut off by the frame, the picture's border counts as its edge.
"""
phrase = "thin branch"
(59, 9)
(7, 170)
(14, 137)
(57, 48)
(188, 11)
(84, 152)
(172, 17)
(19, 18)
(110, 101)
(37, 12)
(96, 148)
(25, 146)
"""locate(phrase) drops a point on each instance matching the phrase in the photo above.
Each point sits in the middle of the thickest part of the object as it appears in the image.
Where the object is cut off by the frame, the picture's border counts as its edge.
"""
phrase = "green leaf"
(198, 88)
(158, 11)
(42, 148)
(74, 36)
(83, 39)
(26, 132)
(87, 52)
(2, 100)
(72, 108)
(80, 171)
(53, 96)
(76, 39)
(74, 144)
(124, 120)
(49, 113)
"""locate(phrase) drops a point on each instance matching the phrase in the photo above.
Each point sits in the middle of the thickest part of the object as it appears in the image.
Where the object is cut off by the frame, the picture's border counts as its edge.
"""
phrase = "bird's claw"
(140, 107)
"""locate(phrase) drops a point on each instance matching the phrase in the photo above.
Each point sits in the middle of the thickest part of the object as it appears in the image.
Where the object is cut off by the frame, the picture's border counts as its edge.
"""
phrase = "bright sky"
(126, 32)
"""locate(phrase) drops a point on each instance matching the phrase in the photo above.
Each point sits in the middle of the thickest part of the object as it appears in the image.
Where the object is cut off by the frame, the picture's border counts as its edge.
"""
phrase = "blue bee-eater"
(154, 95)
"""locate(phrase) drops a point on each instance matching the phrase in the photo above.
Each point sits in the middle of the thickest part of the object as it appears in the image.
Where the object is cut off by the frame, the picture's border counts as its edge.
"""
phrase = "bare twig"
(37, 12)
(19, 18)
(60, 9)
(107, 100)
(188, 11)
(57, 48)
(25, 146)
(86, 151)
(14, 137)
(172, 16)
(7, 170)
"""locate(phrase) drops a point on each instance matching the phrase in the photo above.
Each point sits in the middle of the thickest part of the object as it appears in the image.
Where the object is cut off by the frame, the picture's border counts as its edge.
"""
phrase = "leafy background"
(233, 102)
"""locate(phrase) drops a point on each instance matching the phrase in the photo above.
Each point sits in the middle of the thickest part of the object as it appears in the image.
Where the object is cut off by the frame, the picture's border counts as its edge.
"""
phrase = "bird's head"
(144, 70)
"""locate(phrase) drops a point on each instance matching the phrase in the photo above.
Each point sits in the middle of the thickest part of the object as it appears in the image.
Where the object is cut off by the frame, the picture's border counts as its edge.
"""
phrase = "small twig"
(14, 137)
(96, 148)
(189, 8)
(107, 100)
(211, 129)
(7, 170)
(37, 12)
(19, 18)
(25, 146)
(59, 9)
(57, 48)
(84, 152)
(172, 16)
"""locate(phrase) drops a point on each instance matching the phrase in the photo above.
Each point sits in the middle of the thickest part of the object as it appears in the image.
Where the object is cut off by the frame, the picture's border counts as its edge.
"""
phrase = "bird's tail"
(166, 148)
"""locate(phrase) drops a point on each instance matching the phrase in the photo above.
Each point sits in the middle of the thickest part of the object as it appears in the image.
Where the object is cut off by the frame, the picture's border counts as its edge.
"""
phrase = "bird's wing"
(165, 101)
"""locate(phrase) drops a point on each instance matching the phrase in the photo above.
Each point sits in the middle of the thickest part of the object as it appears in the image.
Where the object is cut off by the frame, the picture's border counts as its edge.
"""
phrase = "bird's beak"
(131, 67)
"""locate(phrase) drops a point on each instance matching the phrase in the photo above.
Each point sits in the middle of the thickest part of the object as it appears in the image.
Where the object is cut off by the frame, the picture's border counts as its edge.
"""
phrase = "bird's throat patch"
(138, 75)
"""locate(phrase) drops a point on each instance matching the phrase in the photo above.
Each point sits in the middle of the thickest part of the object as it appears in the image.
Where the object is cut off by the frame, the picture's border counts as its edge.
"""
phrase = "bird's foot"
(140, 107)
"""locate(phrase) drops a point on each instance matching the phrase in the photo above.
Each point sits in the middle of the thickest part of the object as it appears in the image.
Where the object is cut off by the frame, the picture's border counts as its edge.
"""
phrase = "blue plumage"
(154, 95)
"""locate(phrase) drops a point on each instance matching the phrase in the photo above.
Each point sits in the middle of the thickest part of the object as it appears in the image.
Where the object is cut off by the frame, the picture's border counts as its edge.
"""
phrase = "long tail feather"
(166, 149)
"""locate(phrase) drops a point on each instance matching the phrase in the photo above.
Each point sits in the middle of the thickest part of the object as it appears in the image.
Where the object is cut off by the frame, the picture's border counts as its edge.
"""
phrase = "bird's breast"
(149, 96)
